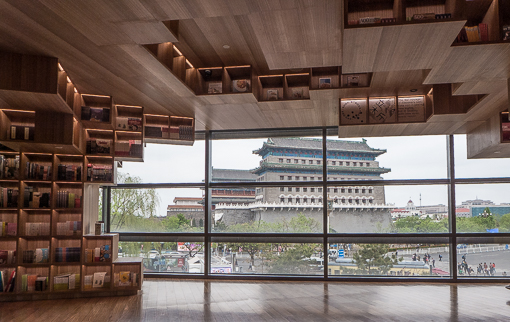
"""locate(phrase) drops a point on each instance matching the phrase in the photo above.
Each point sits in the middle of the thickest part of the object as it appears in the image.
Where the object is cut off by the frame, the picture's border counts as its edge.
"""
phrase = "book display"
(209, 81)
(271, 87)
(381, 110)
(239, 79)
(9, 166)
(96, 111)
(298, 86)
(17, 125)
(169, 129)
(99, 169)
(43, 249)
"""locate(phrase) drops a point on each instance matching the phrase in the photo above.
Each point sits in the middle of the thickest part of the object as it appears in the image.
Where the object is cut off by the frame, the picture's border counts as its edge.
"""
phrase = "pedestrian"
(440, 257)
(250, 267)
(433, 262)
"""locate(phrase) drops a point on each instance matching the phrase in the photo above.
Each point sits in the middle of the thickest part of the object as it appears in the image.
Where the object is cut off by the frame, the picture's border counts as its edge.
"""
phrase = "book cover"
(85, 113)
(214, 88)
(98, 279)
(353, 80)
(325, 82)
(272, 94)
(124, 279)
(240, 85)
(297, 92)
(353, 111)
(506, 32)
(12, 229)
(87, 281)
(96, 114)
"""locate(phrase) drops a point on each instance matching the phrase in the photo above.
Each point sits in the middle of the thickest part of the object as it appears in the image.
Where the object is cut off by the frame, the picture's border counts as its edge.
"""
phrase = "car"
(153, 253)
(462, 246)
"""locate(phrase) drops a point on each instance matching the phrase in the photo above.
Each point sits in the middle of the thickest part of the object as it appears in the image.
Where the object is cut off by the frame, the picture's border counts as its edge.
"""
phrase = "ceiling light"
(413, 90)
(226, 46)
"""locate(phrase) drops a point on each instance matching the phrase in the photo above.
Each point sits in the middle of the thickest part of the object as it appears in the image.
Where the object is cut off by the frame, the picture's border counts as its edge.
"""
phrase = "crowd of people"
(482, 269)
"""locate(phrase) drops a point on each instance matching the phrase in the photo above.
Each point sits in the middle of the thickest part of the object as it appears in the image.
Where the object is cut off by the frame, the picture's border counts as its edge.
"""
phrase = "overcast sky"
(417, 157)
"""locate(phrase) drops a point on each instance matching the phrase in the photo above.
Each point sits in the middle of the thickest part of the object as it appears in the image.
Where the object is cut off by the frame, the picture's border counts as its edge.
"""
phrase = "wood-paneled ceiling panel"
(473, 63)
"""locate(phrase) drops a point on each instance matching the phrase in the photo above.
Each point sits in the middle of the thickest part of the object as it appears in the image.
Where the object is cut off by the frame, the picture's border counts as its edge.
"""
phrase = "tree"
(413, 224)
(134, 209)
(504, 222)
(193, 249)
(374, 256)
(294, 260)
(176, 223)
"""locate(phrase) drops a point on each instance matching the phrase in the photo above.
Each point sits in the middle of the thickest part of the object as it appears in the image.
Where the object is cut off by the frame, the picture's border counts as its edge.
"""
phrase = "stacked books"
(35, 171)
(64, 282)
(97, 280)
(69, 228)
(7, 257)
(37, 256)
(33, 282)
(98, 146)
(99, 172)
(8, 229)
(130, 148)
(37, 229)
(474, 34)
(35, 199)
(98, 254)
(7, 280)
(125, 278)
(67, 254)
(9, 167)
(69, 172)
(21, 132)
(129, 124)
(95, 114)
(9, 197)
(66, 199)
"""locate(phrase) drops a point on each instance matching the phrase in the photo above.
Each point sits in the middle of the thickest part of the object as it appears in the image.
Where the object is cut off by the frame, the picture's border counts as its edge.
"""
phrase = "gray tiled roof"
(332, 145)
(233, 175)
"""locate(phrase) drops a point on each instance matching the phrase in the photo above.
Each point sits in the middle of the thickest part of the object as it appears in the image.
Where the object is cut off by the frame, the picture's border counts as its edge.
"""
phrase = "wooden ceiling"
(99, 43)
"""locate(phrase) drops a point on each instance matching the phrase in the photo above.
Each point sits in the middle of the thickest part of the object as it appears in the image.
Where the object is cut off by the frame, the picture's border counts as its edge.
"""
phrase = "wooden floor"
(197, 300)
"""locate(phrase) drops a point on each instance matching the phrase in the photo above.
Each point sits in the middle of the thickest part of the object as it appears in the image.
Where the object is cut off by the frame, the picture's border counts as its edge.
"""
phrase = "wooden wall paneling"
(54, 128)
(147, 32)
(360, 47)
(484, 141)
(445, 103)
(428, 50)
(352, 131)
(488, 106)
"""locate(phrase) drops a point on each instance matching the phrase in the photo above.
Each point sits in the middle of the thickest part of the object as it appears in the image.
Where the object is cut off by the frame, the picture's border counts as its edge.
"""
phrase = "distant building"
(495, 210)
(476, 202)
(409, 211)
(190, 207)
(230, 195)
(433, 209)
(463, 212)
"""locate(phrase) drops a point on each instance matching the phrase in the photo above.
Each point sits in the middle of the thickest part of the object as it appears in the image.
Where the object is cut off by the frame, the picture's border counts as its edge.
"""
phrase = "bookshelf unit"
(325, 78)
(166, 129)
(50, 241)
(210, 81)
(271, 88)
(100, 169)
(128, 133)
(239, 79)
(97, 112)
(297, 86)
(17, 126)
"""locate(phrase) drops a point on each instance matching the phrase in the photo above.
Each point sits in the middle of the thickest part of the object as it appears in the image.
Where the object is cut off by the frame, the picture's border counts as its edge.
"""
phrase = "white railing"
(258, 204)
(481, 249)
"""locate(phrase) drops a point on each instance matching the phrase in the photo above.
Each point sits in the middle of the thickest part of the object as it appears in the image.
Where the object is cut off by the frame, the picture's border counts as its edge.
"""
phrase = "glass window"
(288, 160)
(486, 257)
(289, 189)
(305, 189)
(297, 189)
(310, 161)
(296, 161)
(282, 189)
(282, 178)
(303, 161)
(280, 160)
(156, 210)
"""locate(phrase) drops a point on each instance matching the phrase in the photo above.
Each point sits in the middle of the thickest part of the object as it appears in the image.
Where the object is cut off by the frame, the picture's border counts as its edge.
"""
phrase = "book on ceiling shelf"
(9, 166)
(506, 33)
(241, 86)
(9, 196)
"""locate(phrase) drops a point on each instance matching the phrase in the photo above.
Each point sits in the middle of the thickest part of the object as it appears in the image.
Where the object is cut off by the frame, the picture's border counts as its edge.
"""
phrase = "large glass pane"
(166, 257)
(477, 168)
(256, 258)
(267, 209)
(157, 210)
(165, 163)
(483, 208)
(386, 209)
(396, 258)
(268, 158)
(417, 157)
(483, 257)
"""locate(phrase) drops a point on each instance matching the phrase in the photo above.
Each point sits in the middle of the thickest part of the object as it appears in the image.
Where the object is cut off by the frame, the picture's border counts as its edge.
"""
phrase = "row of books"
(7, 280)
(66, 199)
(238, 86)
(474, 34)
(69, 172)
(7, 257)
(185, 132)
(65, 282)
(99, 172)
(37, 229)
(98, 146)
(9, 167)
(8, 229)
(415, 17)
(131, 148)
(98, 254)
(157, 132)
(37, 256)
(69, 228)
(125, 278)
(129, 124)
(21, 132)
(36, 171)
(9, 197)
(33, 282)
(97, 280)
(96, 114)
(36, 199)
(67, 254)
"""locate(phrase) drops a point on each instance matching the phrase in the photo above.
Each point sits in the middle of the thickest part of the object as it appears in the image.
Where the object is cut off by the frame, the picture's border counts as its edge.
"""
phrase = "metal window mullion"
(207, 205)
(325, 221)
(451, 206)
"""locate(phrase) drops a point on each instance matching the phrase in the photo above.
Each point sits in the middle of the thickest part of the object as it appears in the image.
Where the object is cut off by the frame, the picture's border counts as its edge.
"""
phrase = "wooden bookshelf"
(297, 86)
(210, 81)
(325, 77)
(100, 169)
(271, 88)
(97, 112)
(129, 146)
(169, 129)
(491, 139)
(99, 142)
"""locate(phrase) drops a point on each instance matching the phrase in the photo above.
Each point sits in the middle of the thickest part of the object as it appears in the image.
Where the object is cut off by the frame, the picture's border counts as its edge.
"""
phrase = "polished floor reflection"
(196, 300)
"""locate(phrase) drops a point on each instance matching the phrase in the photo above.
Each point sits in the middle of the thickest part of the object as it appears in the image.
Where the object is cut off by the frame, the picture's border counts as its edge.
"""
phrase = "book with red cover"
(484, 32)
